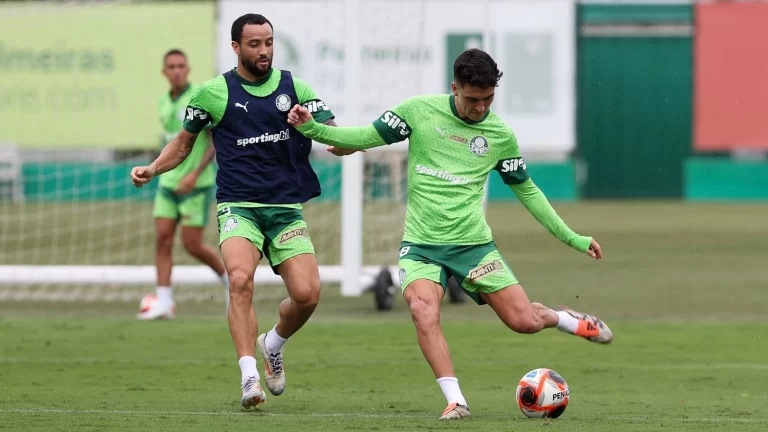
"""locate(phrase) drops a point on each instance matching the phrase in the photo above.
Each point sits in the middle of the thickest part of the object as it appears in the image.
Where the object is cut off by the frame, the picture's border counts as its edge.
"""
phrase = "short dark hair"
(476, 68)
(173, 52)
(240, 23)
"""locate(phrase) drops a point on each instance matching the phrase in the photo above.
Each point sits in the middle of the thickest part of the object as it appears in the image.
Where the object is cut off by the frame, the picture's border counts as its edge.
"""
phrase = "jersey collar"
(174, 99)
(456, 112)
(258, 83)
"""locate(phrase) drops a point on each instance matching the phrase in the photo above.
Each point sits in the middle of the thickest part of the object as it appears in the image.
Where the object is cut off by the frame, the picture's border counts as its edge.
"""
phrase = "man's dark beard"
(254, 68)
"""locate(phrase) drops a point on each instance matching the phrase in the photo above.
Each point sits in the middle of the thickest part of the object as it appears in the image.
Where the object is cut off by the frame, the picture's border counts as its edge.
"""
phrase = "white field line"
(354, 415)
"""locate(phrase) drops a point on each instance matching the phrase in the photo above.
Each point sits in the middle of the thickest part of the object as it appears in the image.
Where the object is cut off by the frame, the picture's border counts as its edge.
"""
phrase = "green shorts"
(191, 209)
(476, 268)
(279, 233)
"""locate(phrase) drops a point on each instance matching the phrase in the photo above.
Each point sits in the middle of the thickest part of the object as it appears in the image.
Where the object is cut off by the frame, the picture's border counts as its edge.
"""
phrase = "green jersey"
(448, 164)
(449, 160)
(172, 114)
(209, 102)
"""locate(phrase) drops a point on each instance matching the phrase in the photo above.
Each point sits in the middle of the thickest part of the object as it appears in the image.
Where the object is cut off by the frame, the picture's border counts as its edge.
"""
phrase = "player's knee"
(309, 296)
(240, 285)
(425, 311)
(193, 245)
(524, 324)
(164, 240)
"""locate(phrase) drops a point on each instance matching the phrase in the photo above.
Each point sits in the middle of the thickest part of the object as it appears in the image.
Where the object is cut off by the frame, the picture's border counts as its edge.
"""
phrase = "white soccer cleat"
(455, 411)
(274, 374)
(253, 395)
(157, 310)
(590, 327)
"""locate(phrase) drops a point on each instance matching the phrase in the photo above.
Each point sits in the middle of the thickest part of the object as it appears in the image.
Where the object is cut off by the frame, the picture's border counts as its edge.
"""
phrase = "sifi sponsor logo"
(315, 106)
(393, 121)
(561, 395)
(265, 138)
(445, 175)
(513, 164)
(482, 271)
(292, 234)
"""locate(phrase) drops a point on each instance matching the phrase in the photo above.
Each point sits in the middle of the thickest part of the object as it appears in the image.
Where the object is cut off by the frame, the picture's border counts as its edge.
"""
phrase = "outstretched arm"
(352, 138)
(172, 156)
(537, 204)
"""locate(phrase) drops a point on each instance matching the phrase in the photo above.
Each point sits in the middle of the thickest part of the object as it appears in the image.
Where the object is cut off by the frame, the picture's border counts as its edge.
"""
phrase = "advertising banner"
(84, 77)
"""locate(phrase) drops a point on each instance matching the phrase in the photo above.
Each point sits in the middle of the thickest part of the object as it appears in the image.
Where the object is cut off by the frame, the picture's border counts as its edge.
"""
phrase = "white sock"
(165, 294)
(274, 341)
(568, 323)
(248, 367)
(451, 390)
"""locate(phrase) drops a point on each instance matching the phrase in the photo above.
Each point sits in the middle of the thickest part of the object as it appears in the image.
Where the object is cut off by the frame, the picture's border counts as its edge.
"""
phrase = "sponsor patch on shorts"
(298, 232)
(484, 270)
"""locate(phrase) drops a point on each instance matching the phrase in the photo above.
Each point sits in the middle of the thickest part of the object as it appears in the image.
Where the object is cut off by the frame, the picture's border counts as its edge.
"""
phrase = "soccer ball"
(542, 393)
(147, 302)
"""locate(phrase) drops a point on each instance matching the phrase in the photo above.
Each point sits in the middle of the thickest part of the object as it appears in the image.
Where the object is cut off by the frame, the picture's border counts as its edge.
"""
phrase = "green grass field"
(683, 286)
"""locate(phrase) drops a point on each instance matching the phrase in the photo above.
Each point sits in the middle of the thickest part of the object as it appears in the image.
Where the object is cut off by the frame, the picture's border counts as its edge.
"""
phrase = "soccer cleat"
(158, 310)
(590, 327)
(455, 411)
(253, 395)
(274, 374)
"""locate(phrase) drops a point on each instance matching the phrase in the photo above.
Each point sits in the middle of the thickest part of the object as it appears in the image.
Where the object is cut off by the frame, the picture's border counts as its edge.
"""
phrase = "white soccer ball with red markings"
(542, 393)
(147, 302)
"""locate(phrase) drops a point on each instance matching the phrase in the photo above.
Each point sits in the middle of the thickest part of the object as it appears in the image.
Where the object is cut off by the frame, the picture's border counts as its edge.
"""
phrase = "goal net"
(73, 227)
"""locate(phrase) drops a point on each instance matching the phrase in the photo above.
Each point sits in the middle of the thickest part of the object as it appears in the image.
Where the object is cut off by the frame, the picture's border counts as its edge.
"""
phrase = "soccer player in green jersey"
(455, 141)
(184, 195)
(264, 177)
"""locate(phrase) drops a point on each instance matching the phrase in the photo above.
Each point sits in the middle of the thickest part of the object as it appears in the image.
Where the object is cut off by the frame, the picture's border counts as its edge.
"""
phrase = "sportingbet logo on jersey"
(445, 175)
(265, 138)
(396, 123)
(511, 165)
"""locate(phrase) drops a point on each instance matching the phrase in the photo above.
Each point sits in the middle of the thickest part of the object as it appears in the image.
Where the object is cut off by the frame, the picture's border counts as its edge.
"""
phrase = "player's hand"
(594, 250)
(342, 152)
(187, 184)
(142, 175)
(298, 116)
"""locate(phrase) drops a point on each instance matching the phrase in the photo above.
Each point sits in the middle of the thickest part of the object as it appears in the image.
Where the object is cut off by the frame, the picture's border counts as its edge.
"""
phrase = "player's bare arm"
(172, 156)
(187, 184)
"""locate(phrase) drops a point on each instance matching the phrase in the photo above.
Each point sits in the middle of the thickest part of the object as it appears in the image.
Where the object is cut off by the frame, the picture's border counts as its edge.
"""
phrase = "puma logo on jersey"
(239, 105)
(396, 123)
(441, 131)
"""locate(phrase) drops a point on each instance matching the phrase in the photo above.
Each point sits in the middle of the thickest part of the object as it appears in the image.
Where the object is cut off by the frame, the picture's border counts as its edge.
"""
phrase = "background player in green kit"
(184, 194)
(264, 177)
(455, 141)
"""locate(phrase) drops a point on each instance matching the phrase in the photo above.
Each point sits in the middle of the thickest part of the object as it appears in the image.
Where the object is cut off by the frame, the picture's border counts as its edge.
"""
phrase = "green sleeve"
(536, 203)
(395, 125)
(352, 138)
(511, 167)
(307, 98)
(206, 105)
